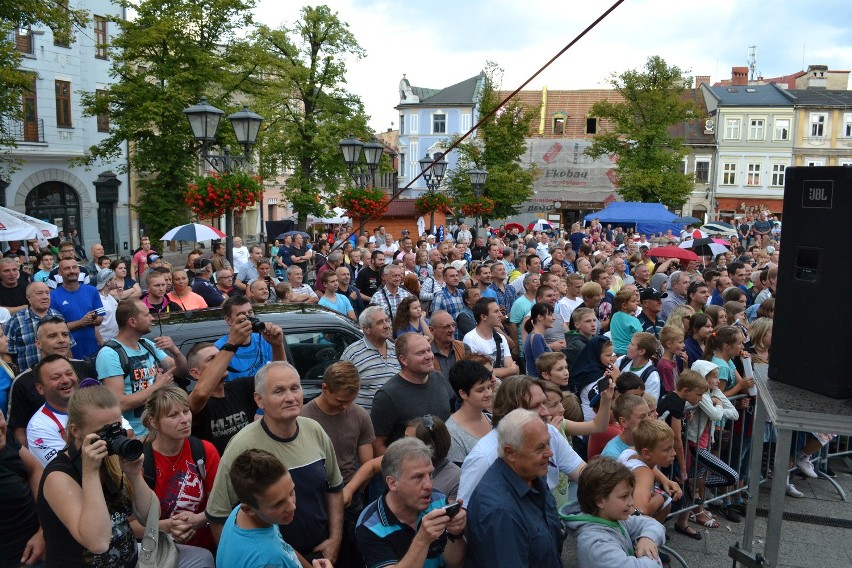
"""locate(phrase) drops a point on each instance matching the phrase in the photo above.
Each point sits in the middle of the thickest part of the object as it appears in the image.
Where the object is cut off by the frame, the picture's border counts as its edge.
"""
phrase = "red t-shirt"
(179, 487)
(668, 374)
(140, 260)
(597, 442)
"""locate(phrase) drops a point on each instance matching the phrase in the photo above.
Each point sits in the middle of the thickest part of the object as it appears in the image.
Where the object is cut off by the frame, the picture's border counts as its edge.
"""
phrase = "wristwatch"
(229, 347)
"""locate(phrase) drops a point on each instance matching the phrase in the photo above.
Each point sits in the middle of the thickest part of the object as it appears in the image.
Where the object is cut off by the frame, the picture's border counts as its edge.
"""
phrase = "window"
(307, 350)
(63, 104)
(401, 124)
(683, 166)
(753, 177)
(24, 40)
(756, 129)
(415, 124)
(100, 37)
(702, 171)
(591, 125)
(439, 124)
(817, 124)
(729, 174)
(778, 174)
(413, 152)
(732, 129)
(782, 128)
(465, 122)
(815, 161)
(847, 124)
(559, 124)
(402, 165)
(103, 117)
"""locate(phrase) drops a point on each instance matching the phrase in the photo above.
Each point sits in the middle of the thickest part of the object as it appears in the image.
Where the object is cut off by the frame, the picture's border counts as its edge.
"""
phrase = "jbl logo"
(817, 194)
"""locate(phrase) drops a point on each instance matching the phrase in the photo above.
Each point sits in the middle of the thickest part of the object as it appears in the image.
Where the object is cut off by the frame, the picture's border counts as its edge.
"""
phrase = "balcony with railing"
(24, 130)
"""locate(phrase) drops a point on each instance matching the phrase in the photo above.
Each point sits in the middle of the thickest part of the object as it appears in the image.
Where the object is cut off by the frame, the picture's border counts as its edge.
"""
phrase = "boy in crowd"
(629, 411)
(585, 324)
(643, 346)
(553, 367)
(668, 366)
(627, 383)
(653, 448)
(607, 529)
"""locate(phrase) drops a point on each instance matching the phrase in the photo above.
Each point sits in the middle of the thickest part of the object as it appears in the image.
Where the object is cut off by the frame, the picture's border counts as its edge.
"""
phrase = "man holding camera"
(254, 353)
(133, 367)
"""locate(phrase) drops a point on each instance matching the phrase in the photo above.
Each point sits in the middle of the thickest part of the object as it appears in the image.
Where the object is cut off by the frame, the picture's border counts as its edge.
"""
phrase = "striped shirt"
(373, 369)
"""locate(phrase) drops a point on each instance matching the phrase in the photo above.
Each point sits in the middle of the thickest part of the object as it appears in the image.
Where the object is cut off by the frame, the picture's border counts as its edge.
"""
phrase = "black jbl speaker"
(812, 327)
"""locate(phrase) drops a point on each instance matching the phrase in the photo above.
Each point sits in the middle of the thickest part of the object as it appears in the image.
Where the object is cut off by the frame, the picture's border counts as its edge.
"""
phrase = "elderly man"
(415, 391)
(258, 293)
(258, 350)
(642, 276)
(52, 338)
(133, 367)
(301, 291)
(676, 293)
(240, 254)
(92, 268)
(447, 350)
(512, 500)
(652, 304)
(81, 307)
(521, 391)
(21, 327)
(373, 355)
(389, 296)
(307, 452)
(409, 525)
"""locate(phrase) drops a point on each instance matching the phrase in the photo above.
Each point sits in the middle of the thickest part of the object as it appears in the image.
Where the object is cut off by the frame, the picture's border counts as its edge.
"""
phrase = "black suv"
(314, 337)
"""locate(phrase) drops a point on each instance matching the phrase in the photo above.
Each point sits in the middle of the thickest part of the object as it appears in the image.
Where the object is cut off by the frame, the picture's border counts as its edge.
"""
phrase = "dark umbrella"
(687, 221)
(293, 234)
(704, 246)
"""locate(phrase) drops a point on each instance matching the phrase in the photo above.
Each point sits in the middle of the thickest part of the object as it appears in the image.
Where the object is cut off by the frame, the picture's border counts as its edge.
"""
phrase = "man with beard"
(81, 307)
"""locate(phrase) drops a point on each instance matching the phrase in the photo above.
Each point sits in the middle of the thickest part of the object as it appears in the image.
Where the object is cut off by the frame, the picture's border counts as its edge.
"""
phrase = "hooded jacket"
(588, 367)
(604, 544)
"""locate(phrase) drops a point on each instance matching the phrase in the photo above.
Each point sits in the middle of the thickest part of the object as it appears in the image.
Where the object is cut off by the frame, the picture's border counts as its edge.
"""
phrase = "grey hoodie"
(604, 544)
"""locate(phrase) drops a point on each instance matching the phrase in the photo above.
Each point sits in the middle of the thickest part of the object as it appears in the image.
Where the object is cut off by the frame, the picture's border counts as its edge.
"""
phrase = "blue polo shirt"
(73, 306)
(384, 540)
(523, 518)
(248, 359)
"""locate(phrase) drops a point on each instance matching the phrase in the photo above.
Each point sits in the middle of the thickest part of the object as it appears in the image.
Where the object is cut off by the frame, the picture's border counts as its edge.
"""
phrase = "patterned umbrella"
(193, 232)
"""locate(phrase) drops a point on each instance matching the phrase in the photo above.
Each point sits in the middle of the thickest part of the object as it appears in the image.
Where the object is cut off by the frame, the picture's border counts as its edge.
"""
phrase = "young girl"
(700, 328)
(540, 320)
(595, 361)
(181, 484)
(736, 314)
(410, 318)
(624, 323)
(717, 315)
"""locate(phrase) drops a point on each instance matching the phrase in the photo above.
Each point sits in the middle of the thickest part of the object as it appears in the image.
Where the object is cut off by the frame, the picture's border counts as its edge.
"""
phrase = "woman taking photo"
(130, 288)
(540, 320)
(84, 503)
(180, 468)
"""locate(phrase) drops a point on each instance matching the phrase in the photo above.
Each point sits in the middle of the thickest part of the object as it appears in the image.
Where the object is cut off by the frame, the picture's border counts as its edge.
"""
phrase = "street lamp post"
(204, 120)
(352, 149)
(433, 178)
(477, 181)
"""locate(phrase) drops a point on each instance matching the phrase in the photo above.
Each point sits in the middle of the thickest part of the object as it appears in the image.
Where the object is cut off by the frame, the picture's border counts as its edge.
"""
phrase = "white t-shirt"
(487, 347)
(483, 454)
(652, 383)
(109, 328)
(567, 306)
(44, 436)
(241, 256)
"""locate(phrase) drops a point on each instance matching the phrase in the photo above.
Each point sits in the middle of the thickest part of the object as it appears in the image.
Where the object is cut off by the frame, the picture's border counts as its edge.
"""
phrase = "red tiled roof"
(401, 208)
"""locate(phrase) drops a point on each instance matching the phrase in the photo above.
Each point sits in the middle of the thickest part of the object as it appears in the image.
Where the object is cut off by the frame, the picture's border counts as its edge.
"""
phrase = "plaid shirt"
(388, 300)
(444, 300)
(21, 331)
(505, 299)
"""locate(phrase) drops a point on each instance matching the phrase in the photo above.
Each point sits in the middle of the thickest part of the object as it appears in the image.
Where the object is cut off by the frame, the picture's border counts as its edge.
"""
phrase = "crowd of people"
(509, 390)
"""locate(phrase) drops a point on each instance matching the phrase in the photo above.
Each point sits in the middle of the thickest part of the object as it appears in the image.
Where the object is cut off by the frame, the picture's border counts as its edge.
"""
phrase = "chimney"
(702, 80)
(817, 76)
(739, 76)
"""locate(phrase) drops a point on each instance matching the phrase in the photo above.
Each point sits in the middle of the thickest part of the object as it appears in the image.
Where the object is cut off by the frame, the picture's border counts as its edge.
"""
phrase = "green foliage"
(307, 108)
(649, 157)
(173, 52)
(498, 147)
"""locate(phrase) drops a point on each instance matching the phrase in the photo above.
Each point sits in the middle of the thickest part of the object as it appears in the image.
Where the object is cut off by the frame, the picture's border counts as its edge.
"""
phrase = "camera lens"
(127, 448)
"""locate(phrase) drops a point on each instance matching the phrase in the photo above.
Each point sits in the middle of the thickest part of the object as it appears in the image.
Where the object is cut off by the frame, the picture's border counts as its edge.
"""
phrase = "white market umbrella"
(14, 229)
(44, 230)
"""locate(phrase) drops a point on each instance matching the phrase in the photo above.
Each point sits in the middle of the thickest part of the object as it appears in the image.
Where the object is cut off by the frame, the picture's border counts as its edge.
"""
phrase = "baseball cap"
(104, 276)
(651, 294)
(770, 249)
(153, 258)
(200, 263)
(458, 264)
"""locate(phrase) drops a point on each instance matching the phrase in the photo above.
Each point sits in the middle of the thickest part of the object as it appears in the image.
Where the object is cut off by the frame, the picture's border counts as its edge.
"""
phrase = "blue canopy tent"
(645, 218)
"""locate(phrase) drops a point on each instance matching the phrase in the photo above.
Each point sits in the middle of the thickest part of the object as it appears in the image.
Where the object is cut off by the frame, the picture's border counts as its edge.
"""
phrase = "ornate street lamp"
(433, 177)
(352, 150)
(204, 120)
(477, 181)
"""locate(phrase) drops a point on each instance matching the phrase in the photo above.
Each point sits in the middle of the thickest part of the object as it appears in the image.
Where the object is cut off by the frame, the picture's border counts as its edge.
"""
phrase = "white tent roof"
(44, 230)
(13, 229)
(339, 218)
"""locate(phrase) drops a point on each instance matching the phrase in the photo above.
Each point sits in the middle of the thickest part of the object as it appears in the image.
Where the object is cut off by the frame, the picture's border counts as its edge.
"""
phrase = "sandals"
(688, 531)
(707, 519)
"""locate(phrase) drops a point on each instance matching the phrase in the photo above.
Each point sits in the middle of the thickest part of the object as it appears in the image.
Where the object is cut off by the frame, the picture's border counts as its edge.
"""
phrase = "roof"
(693, 131)
(462, 93)
(821, 98)
(750, 95)
(401, 208)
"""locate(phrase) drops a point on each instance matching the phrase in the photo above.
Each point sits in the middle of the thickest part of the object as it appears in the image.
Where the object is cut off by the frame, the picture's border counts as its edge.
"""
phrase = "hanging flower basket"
(433, 203)
(361, 203)
(475, 206)
(211, 195)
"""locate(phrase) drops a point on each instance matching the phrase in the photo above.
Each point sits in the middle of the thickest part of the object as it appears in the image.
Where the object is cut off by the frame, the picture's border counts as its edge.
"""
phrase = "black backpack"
(149, 471)
(123, 359)
(645, 374)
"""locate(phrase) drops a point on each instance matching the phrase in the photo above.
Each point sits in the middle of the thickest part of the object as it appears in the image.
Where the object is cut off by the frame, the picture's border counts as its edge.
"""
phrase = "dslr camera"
(257, 326)
(118, 443)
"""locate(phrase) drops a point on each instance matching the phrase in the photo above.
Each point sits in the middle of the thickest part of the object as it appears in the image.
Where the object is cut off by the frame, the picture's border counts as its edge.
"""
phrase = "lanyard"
(49, 413)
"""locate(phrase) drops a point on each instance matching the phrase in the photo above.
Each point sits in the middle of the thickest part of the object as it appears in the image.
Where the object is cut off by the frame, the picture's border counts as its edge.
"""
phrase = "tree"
(173, 52)
(649, 157)
(21, 15)
(307, 108)
(498, 147)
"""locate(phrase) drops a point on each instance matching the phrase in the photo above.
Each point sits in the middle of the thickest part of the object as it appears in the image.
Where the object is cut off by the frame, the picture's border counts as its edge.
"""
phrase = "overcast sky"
(437, 43)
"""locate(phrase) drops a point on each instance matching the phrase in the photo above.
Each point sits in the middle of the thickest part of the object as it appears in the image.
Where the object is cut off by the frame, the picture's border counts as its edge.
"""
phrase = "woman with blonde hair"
(761, 340)
(679, 318)
(178, 467)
